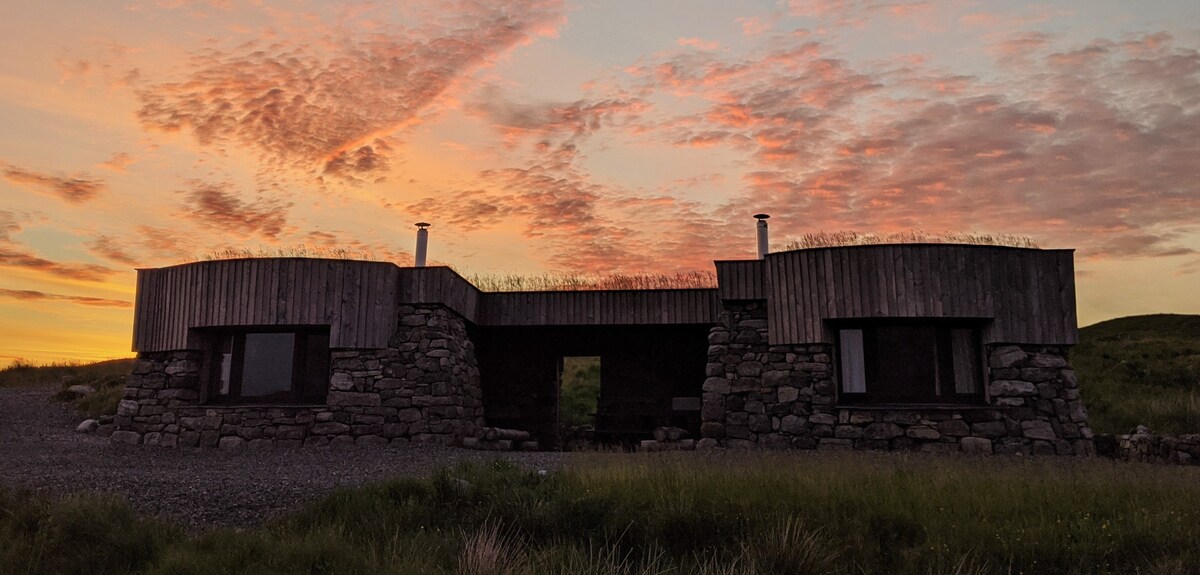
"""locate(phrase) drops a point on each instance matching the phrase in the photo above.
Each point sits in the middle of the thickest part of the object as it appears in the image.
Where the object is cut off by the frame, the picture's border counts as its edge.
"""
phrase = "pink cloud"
(1092, 135)
(219, 206)
(323, 104)
(698, 44)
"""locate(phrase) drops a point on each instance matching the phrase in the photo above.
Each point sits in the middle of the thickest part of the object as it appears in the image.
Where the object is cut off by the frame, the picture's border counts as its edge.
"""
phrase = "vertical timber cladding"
(599, 307)
(1029, 294)
(355, 298)
(439, 285)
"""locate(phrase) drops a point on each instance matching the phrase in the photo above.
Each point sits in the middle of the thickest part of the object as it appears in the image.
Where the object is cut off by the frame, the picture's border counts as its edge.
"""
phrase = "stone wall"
(423, 387)
(767, 395)
(777, 396)
(1144, 445)
(1043, 412)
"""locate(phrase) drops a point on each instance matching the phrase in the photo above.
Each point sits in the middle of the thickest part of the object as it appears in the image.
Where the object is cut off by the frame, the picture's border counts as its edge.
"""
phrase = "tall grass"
(582, 282)
(753, 514)
(296, 251)
(852, 238)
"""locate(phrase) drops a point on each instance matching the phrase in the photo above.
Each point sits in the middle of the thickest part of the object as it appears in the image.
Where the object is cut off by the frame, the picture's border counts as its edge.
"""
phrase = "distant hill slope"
(1141, 370)
(1160, 325)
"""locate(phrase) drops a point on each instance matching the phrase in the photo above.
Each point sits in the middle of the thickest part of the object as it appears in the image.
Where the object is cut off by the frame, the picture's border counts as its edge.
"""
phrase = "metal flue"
(762, 234)
(422, 243)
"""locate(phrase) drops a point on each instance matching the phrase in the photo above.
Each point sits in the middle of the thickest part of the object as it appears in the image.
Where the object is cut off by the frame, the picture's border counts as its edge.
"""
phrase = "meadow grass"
(1141, 370)
(728, 513)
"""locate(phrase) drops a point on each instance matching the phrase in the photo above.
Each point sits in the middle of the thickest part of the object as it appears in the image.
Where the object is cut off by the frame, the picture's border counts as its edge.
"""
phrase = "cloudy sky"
(592, 136)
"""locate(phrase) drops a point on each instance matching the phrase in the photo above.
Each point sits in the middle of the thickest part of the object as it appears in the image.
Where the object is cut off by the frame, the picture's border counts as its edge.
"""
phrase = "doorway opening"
(578, 400)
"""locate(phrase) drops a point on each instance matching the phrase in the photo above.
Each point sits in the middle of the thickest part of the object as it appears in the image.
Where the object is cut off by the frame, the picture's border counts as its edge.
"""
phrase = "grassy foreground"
(622, 514)
(1141, 370)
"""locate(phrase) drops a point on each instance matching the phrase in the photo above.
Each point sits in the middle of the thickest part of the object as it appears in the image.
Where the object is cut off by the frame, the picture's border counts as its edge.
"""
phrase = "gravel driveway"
(40, 450)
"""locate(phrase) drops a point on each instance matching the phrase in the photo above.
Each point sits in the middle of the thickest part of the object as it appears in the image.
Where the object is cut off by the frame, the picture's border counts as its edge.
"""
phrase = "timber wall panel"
(599, 307)
(741, 279)
(356, 299)
(1027, 295)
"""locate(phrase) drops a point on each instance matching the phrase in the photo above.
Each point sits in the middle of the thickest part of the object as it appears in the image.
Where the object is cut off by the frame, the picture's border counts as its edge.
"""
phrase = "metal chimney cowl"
(422, 244)
(762, 235)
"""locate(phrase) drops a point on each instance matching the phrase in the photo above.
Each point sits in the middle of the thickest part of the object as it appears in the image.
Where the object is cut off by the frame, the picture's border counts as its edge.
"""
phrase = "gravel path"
(40, 450)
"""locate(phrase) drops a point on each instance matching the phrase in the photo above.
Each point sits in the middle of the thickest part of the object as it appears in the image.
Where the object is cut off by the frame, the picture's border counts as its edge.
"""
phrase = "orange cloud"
(33, 295)
(15, 255)
(108, 248)
(77, 189)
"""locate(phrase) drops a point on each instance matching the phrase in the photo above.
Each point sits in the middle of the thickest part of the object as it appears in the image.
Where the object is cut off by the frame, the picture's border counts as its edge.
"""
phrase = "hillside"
(1141, 370)
(107, 378)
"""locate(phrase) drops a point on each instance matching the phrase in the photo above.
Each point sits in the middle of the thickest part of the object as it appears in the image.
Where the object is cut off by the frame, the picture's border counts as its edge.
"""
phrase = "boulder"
(87, 426)
(923, 432)
(882, 431)
(976, 445)
(1038, 430)
(81, 390)
(1012, 388)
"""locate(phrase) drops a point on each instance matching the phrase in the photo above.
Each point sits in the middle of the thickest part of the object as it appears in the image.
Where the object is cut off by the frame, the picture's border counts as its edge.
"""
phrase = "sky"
(594, 136)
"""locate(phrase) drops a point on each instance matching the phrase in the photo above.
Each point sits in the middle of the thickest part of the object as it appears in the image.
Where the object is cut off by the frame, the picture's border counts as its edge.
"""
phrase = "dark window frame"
(310, 374)
(942, 367)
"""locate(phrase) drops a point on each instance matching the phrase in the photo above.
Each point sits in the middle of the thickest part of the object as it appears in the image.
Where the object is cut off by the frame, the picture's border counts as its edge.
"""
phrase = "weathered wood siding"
(613, 307)
(1029, 293)
(741, 279)
(356, 299)
(439, 285)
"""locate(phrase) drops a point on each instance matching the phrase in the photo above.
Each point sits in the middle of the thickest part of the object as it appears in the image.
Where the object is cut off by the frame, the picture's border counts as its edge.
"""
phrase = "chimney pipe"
(422, 243)
(762, 234)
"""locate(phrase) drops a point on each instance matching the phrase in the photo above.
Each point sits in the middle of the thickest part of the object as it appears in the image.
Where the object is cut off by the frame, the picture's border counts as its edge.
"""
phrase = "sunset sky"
(595, 136)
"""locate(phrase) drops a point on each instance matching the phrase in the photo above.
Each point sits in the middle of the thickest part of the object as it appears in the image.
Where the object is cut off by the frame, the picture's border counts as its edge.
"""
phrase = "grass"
(751, 514)
(580, 391)
(581, 282)
(852, 238)
(1141, 370)
(106, 377)
(495, 282)
(296, 251)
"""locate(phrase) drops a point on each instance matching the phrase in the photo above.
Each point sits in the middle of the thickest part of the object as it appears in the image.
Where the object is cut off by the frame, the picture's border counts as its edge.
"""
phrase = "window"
(910, 362)
(268, 366)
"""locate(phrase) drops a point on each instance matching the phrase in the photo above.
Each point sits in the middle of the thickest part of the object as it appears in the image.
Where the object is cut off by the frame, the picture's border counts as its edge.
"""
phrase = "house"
(931, 347)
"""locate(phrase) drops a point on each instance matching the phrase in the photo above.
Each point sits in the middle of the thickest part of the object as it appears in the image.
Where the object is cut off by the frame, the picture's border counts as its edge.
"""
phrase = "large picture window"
(269, 366)
(910, 362)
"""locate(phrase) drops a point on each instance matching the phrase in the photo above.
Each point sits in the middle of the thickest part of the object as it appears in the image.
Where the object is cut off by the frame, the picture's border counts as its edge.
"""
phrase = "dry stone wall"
(757, 394)
(423, 387)
(1147, 446)
(779, 396)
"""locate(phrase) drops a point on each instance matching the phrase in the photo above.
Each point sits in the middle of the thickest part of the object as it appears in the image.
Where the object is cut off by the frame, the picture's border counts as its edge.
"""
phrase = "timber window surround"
(897, 361)
(268, 365)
